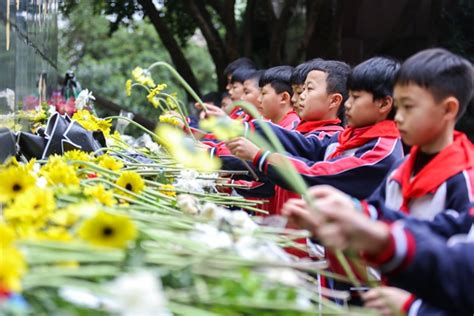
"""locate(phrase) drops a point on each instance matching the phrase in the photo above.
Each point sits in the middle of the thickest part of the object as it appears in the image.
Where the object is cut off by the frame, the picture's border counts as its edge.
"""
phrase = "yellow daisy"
(108, 230)
(168, 189)
(55, 233)
(100, 194)
(78, 155)
(108, 162)
(31, 208)
(7, 236)
(12, 268)
(60, 173)
(14, 181)
(131, 181)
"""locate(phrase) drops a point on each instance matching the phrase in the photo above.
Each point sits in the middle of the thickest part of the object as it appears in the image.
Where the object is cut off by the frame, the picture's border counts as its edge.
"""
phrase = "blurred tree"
(103, 62)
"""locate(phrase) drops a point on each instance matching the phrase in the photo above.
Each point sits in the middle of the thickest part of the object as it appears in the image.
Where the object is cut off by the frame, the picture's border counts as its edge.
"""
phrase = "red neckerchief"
(355, 137)
(309, 126)
(239, 114)
(448, 162)
(289, 120)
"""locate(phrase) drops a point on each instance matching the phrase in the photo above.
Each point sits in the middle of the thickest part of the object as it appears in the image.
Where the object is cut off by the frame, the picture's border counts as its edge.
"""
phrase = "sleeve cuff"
(369, 210)
(260, 160)
(408, 303)
(399, 252)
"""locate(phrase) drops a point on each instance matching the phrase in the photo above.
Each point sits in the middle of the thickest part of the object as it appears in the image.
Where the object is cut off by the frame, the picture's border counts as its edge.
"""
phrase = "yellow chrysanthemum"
(91, 122)
(168, 189)
(108, 162)
(131, 181)
(60, 173)
(78, 156)
(223, 128)
(55, 233)
(108, 230)
(128, 87)
(184, 151)
(101, 194)
(170, 119)
(70, 215)
(12, 268)
(143, 76)
(14, 181)
(10, 162)
(7, 236)
(31, 208)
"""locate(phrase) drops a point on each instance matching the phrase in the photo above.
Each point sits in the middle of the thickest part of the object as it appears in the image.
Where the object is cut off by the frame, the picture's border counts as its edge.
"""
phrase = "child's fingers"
(371, 295)
(332, 236)
(322, 191)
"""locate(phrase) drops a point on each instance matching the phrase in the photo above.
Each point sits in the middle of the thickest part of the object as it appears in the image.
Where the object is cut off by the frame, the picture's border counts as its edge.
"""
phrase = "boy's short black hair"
(256, 75)
(301, 71)
(442, 73)
(375, 75)
(213, 98)
(242, 62)
(279, 78)
(337, 73)
(241, 74)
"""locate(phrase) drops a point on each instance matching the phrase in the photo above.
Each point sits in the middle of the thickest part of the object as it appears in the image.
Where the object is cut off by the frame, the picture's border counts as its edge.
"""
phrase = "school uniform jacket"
(440, 273)
(445, 183)
(357, 170)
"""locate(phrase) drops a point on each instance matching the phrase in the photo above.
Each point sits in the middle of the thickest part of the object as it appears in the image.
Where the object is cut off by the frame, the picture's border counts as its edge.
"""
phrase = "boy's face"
(362, 110)
(251, 92)
(226, 104)
(270, 103)
(314, 100)
(228, 86)
(295, 99)
(419, 118)
(236, 91)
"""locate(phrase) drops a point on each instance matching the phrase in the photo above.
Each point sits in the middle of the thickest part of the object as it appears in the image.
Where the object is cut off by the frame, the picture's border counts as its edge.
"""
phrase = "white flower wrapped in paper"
(83, 99)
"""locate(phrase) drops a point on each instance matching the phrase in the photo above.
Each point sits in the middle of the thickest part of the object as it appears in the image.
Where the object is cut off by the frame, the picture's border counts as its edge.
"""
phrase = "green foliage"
(103, 62)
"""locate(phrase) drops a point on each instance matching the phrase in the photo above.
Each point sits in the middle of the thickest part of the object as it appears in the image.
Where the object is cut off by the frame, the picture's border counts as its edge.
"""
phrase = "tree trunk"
(177, 56)
(215, 45)
(278, 35)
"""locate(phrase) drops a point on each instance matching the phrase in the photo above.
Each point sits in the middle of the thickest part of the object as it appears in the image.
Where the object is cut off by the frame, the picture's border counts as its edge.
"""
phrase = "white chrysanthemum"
(138, 293)
(84, 97)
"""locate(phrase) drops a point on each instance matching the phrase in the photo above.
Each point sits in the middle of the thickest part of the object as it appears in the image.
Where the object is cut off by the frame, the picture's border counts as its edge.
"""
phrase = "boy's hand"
(211, 110)
(388, 301)
(341, 226)
(242, 148)
(299, 215)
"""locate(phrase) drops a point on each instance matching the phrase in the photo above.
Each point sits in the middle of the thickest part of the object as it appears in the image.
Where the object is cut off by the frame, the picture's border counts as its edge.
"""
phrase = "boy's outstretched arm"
(412, 257)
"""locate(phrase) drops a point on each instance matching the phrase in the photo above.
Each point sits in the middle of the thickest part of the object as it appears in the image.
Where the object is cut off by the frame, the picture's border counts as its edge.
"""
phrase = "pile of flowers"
(139, 228)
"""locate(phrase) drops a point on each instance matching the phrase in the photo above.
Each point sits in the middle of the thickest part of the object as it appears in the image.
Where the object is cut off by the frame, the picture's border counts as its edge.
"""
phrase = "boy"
(432, 91)
(251, 87)
(275, 97)
(242, 62)
(409, 254)
(366, 149)
(355, 160)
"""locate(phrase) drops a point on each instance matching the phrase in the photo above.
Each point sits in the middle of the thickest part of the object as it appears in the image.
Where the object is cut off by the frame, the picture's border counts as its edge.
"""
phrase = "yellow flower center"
(129, 187)
(16, 187)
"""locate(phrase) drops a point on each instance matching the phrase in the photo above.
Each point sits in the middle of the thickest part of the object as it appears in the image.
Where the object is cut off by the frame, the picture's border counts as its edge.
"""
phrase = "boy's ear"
(336, 100)
(286, 97)
(451, 107)
(386, 105)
